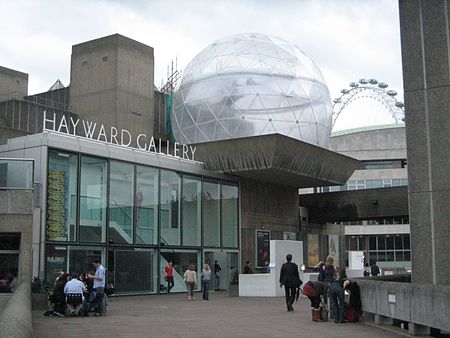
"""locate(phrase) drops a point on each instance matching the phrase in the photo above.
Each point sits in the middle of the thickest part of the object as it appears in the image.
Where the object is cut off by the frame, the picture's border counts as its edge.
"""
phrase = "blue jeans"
(205, 286)
(99, 300)
(337, 302)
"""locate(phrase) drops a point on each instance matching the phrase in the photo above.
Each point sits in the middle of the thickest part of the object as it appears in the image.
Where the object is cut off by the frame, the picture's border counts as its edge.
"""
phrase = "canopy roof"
(277, 159)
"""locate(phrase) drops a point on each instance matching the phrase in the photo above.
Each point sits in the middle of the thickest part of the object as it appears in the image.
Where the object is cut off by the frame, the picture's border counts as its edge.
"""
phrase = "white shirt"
(74, 286)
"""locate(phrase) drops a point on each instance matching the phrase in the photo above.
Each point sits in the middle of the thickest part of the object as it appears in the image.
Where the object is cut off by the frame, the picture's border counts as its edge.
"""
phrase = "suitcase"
(352, 314)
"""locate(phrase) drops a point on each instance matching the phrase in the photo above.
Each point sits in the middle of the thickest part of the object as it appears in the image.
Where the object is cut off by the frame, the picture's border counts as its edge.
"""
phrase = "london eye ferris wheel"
(366, 103)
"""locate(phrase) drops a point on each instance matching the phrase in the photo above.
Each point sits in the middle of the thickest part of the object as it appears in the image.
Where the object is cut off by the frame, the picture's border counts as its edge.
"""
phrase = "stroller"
(315, 292)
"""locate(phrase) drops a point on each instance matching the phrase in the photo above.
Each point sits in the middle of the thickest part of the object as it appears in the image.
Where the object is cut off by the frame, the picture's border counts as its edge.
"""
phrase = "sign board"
(120, 137)
(262, 248)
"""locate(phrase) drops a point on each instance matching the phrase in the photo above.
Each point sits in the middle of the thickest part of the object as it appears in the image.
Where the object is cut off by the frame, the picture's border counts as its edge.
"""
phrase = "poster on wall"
(57, 202)
(333, 248)
(262, 248)
(313, 249)
(289, 236)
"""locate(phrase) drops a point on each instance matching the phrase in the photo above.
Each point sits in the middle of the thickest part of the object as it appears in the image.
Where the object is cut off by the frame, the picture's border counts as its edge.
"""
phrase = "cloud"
(348, 39)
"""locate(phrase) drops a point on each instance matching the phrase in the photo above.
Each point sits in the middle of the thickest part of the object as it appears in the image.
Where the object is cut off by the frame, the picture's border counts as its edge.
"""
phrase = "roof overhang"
(277, 159)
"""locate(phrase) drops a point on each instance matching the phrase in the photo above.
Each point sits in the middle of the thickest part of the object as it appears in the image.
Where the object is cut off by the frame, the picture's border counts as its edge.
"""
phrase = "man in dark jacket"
(290, 279)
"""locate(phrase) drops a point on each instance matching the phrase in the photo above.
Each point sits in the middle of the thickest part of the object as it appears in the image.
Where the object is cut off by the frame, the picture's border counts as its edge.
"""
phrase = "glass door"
(223, 266)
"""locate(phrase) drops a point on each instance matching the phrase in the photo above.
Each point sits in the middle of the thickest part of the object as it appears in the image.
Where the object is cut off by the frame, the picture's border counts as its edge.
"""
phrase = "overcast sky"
(348, 39)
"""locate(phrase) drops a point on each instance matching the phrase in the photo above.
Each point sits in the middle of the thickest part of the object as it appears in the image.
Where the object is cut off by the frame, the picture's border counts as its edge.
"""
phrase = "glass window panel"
(353, 243)
(406, 241)
(396, 182)
(381, 242)
(135, 270)
(389, 256)
(192, 208)
(230, 215)
(211, 213)
(387, 183)
(93, 182)
(80, 258)
(372, 242)
(389, 242)
(399, 256)
(121, 187)
(398, 242)
(181, 260)
(9, 264)
(61, 196)
(372, 258)
(10, 242)
(407, 255)
(147, 205)
(56, 261)
(381, 256)
(170, 207)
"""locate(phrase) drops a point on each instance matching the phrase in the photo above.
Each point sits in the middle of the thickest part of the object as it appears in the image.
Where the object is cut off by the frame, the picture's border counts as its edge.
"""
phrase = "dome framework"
(248, 85)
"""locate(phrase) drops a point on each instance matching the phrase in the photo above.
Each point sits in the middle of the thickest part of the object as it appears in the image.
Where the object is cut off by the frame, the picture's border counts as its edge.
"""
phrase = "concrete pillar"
(383, 320)
(426, 75)
(416, 329)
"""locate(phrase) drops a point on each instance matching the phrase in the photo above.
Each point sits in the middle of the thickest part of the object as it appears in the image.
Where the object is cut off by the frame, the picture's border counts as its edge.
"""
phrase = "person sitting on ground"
(74, 287)
(248, 268)
(58, 295)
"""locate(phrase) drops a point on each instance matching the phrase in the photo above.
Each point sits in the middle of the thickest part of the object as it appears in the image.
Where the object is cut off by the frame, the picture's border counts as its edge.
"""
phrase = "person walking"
(290, 279)
(169, 277)
(190, 278)
(206, 281)
(98, 287)
(217, 274)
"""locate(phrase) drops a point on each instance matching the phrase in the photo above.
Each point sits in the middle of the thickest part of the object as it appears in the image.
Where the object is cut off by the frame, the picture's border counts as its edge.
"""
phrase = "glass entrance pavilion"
(132, 209)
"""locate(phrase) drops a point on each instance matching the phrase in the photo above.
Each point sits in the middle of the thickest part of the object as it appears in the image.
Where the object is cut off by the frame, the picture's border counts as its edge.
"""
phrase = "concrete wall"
(16, 217)
(266, 207)
(16, 319)
(422, 304)
(385, 143)
(13, 84)
(426, 75)
(112, 83)
(6, 133)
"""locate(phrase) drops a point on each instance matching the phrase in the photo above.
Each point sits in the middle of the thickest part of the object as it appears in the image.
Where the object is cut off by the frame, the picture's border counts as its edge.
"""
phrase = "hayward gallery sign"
(120, 137)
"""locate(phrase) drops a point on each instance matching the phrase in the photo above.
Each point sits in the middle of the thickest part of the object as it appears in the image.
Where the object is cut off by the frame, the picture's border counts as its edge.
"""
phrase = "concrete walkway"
(221, 316)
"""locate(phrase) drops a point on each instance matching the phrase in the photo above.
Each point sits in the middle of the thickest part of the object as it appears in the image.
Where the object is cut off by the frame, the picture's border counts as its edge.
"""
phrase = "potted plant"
(234, 285)
(39, 294)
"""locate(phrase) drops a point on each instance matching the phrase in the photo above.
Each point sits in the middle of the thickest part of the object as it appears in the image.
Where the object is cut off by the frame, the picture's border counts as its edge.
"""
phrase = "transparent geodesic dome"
(251, 84)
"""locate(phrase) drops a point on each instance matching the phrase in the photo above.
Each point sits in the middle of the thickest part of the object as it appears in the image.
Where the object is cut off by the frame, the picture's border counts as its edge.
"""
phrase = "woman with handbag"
(190, 278)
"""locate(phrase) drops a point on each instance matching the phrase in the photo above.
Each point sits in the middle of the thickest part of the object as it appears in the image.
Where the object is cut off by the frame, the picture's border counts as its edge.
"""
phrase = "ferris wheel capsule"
(354, 84)
(399, 104)
(335, 100)
(373, 81)
(383, 85)
(344, 91)
(363, 81)
(391, 92)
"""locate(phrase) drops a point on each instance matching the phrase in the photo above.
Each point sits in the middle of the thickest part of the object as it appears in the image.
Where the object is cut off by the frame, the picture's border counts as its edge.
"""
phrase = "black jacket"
(289, 275)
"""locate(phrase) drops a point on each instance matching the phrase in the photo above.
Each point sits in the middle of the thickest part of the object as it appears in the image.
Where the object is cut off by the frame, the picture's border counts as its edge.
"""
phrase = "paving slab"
(221, 316)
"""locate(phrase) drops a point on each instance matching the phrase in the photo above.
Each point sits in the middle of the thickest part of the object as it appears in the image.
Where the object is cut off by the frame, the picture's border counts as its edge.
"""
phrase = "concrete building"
(142, 202)
(373, 219)
(112, 83)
